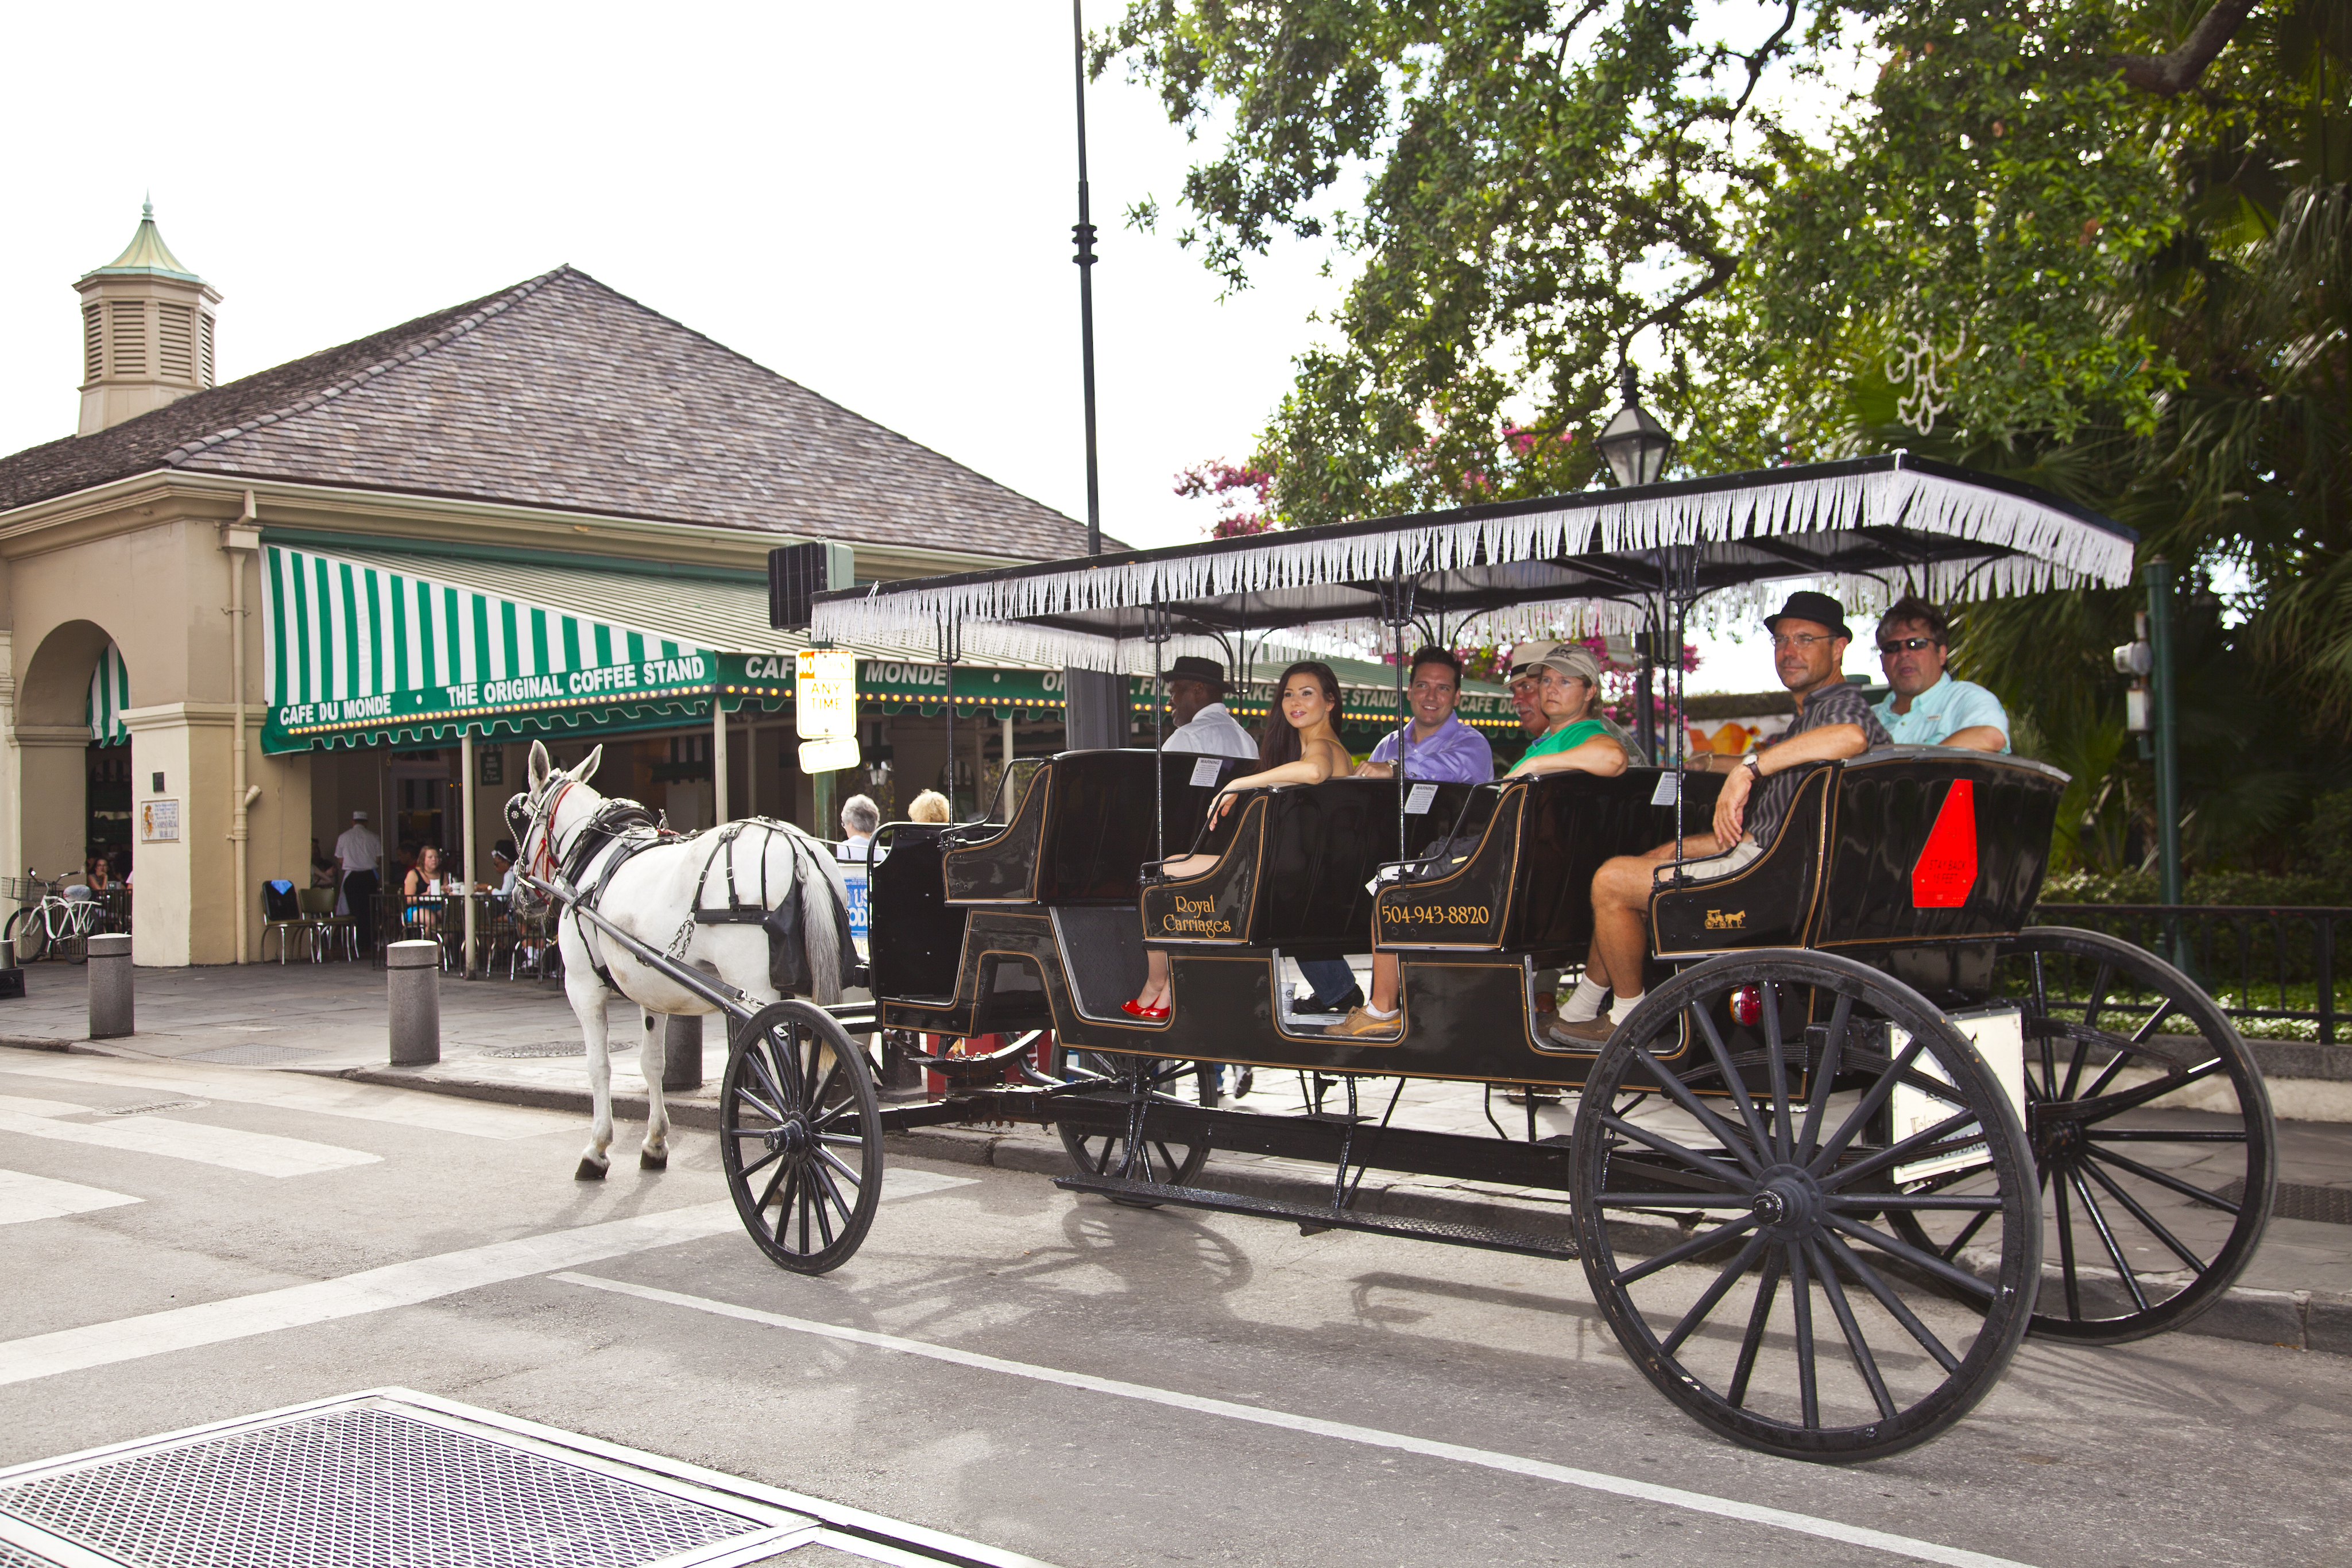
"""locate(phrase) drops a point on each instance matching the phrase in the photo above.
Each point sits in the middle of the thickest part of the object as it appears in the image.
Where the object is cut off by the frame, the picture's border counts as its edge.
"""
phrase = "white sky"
(874, 202)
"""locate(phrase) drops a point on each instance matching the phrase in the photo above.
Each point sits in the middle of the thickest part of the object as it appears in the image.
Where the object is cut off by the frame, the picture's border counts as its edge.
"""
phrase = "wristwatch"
(1754, 763)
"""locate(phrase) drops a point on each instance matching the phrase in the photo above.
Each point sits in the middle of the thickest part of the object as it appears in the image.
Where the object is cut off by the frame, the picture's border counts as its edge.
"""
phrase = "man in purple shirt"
(1438, 749)
(1437, 745)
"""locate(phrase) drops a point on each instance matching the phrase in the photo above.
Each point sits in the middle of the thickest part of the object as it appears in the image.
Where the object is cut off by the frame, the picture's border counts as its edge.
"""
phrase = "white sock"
(1377, 1013)
(1585, 1003)
(1625, 1005)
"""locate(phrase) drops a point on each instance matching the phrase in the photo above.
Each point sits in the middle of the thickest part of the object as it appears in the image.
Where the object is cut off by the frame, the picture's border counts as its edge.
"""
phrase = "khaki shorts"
(1714, 868)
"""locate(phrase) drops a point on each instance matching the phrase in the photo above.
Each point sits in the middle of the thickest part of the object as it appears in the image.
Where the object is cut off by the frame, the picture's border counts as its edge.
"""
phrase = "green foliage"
(2232, 889)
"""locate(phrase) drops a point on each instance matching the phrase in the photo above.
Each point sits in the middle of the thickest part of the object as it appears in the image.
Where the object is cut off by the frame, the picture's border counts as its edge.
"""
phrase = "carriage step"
(1311, 1218)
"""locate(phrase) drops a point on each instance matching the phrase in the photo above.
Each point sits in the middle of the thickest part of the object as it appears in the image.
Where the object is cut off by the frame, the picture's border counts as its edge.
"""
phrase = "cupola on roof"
(146, 256)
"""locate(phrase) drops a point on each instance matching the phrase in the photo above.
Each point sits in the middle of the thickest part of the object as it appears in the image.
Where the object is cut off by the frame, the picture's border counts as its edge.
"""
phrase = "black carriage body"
(1913, 858)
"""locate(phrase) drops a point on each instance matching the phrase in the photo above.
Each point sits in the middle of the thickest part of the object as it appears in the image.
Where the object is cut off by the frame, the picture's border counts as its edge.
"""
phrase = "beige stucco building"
(554, 453)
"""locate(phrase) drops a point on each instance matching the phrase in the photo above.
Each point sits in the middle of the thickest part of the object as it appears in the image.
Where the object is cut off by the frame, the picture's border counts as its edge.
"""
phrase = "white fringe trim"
(997, 615)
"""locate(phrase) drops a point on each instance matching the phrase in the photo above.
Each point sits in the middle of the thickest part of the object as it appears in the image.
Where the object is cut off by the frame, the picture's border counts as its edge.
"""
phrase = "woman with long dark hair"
(1302, 749)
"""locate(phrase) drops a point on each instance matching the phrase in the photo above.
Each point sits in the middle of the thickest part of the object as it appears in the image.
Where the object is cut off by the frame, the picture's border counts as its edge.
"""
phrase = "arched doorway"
(54, 735)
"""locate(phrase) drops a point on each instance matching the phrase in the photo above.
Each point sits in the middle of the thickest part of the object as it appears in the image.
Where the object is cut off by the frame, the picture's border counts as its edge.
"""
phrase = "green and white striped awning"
(357, 652)
(109, 694)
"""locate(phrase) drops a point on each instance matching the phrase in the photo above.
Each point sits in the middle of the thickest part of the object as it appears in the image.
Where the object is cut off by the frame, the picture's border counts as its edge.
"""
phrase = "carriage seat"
(1903, 846)
(1532, 846)
(1292, 874)
(1082, 828)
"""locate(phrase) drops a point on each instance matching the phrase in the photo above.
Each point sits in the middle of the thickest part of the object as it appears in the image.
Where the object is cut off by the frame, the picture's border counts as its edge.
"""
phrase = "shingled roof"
(562, 393)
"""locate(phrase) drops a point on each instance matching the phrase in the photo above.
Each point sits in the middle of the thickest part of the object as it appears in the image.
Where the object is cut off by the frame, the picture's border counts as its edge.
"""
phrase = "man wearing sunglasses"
(1927, 706)
(1809, 643)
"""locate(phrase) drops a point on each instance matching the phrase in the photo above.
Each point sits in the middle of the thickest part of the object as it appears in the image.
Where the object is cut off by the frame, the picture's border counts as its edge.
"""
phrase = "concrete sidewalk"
(516, 1042)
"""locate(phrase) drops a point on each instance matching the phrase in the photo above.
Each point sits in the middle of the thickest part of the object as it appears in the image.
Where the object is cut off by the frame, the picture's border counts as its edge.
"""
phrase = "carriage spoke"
(2041, 1015)
(1872, 1102)
(2186, 1189)
(757, 1058)
(1801, 1302)
(1968, 1233)
(2141, 1035)
(1714, 1293)
(1896, 1153)
(2165, 1135)
(826, 1193)
(1167, 1159)
(1833, 1057)
(779, 1188)
(1777, 1074)
(1674, 1254)
(2066, 1251)
(832, 1079)
(762, 1106)
(1738, 1090)
(2099, 984)
(2148, 1221)
(1957, 1278)
(761, 1162)
(1667, 1200)
(1954, 1203)
(1671, 1150)
(1681, 1095)
(1864, 1362)
(1896, 1306)
(1759, 1315)
(836, 1161)
(2115, 1254)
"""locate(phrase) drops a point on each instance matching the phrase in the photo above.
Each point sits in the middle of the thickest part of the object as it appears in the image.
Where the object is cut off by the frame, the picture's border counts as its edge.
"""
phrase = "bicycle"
(51, 920)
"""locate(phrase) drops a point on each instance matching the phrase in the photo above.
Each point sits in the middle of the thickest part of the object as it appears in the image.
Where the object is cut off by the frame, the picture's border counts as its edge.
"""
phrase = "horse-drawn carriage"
(1812, 1179)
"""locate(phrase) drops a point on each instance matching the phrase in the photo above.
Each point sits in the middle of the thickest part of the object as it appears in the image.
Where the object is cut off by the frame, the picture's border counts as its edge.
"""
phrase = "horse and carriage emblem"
(1865, 1129)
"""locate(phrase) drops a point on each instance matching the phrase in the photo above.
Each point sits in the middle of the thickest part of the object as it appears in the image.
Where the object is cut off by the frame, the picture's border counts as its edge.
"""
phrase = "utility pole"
(1083, 233)
(2157, 576)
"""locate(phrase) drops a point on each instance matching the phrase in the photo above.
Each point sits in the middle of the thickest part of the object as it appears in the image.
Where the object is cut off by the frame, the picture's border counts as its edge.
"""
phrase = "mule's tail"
(825, 916)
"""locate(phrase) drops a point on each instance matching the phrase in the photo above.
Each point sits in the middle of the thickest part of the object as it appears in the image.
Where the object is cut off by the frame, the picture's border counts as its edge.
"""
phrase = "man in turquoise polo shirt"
(1927, 706)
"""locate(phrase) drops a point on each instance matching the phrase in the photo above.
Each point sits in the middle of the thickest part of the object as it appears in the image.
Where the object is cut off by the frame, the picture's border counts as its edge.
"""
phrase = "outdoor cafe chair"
(281, 913)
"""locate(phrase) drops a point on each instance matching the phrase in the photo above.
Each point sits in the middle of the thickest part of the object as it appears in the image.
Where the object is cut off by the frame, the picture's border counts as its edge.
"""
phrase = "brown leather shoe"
(1360, 1022)
(1591, 1031)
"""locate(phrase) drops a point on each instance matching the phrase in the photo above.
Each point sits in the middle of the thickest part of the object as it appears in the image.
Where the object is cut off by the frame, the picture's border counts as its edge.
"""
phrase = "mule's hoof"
(589, 1171)
(649, 1161)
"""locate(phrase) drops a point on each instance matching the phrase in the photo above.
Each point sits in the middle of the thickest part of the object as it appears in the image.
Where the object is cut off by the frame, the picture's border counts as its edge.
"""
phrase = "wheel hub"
(790, 1138)
(1787, 1204)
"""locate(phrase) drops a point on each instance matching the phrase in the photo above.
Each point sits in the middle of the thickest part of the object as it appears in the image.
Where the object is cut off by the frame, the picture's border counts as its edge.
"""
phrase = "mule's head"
(533, 815)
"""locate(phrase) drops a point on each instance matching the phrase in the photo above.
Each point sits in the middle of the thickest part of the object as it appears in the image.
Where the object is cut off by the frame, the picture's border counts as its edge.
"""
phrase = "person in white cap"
(358, 852)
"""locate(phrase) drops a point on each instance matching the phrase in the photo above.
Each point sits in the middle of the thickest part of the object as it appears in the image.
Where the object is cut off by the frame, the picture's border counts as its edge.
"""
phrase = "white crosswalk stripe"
(299, 1092)
(23, 1197)
(232, 1148)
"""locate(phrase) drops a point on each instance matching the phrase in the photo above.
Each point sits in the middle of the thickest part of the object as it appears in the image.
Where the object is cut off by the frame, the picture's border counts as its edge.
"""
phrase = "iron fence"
(2260, 962)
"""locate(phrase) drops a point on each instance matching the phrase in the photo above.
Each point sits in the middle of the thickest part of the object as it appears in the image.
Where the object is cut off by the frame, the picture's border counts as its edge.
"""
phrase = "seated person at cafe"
(1809, 643)
(425, 879)
(1927, 706)
(1302, 749)
(1196, 692)
(1437, 747)
(502, 867)
(1569, 687)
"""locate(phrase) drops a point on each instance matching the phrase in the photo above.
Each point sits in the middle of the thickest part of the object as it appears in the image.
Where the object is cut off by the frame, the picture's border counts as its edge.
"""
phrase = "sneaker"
(1360, 1021)
(1244, 1080)
(1591, 1031)
(1346, 1004)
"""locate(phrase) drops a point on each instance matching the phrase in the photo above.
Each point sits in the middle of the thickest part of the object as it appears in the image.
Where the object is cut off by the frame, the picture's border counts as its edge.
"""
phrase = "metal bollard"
(682, 1051)
(412, 976)
(109, 988)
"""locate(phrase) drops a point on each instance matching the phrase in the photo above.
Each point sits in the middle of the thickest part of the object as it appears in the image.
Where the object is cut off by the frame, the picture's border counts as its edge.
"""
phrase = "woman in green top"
(1569, 687)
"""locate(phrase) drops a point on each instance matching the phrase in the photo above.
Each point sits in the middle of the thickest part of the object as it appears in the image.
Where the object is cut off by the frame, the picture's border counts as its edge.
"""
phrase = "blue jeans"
(1330, 978)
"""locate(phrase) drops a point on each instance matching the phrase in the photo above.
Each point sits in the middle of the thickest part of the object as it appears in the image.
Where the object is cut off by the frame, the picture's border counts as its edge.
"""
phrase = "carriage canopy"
(1868, 529)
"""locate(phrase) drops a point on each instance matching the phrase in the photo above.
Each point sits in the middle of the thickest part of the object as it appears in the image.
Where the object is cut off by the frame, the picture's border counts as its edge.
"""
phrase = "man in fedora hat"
(1809, 641)
(1196, 688)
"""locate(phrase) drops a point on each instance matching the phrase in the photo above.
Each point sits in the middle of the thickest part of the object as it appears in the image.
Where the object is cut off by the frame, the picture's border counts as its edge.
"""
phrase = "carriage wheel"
(1787, 1312)
(2151, 1130)
(800, 1136)
(1172, 1162)
(31, 936)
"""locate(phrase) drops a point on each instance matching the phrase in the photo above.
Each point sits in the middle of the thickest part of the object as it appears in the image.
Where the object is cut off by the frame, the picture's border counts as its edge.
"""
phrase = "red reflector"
(1747, 1006)
(1947, 868)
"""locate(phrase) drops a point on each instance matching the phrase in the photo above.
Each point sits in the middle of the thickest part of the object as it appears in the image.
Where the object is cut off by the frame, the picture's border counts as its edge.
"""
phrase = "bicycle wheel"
(72, 942)
(25, 930)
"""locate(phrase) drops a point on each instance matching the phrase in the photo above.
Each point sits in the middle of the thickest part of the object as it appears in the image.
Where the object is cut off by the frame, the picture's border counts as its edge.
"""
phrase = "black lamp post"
(1636, 445)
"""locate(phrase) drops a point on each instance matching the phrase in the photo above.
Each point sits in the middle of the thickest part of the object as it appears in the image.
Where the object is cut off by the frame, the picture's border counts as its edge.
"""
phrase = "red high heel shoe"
(1135, 1009)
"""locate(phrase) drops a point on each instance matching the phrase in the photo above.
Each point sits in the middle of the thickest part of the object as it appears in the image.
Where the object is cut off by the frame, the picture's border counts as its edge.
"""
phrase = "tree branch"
(2169, 76)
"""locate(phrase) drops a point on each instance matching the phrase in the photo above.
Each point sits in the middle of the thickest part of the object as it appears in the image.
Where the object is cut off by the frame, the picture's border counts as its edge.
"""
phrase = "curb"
(2291, 1320)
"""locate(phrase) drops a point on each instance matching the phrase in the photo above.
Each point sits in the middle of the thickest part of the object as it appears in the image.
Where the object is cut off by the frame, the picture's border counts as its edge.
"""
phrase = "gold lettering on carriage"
(1195, 917)
(1438, 914)
(1720, 920)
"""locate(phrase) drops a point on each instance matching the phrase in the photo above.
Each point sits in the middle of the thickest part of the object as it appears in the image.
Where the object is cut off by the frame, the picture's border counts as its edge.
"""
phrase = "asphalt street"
(1048, 1373)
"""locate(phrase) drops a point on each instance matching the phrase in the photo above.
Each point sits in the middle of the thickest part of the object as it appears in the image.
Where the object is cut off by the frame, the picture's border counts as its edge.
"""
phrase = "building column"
(185, 897)
(53, 808)
(11, 770)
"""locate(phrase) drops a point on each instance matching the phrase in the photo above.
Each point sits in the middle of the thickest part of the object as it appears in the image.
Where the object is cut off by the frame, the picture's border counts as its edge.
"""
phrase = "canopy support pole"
(1155, 632)
(719, 802)
(466, 826)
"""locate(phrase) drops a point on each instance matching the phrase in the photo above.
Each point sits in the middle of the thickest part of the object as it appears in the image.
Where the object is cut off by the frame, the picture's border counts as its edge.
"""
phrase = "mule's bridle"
(541, 861)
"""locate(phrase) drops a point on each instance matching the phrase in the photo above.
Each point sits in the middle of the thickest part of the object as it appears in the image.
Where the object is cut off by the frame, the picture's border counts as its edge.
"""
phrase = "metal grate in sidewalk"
(376, 1481)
